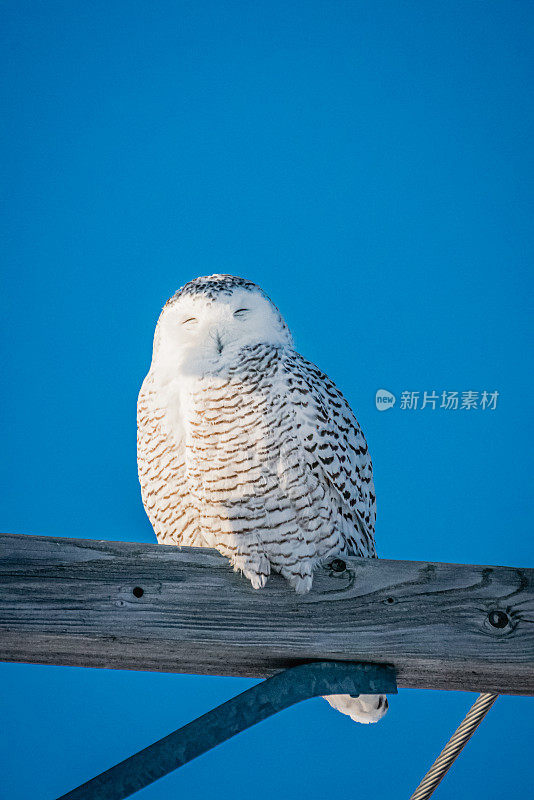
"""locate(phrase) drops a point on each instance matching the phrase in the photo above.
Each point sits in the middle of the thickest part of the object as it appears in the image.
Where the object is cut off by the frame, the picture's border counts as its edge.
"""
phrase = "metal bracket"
(241, 712)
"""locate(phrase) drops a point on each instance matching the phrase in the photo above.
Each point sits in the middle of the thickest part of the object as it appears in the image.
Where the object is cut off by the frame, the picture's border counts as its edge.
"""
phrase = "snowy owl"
(247, 447)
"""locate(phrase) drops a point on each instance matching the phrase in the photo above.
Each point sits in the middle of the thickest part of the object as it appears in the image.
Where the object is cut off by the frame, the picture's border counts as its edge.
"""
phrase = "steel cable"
(454, 746)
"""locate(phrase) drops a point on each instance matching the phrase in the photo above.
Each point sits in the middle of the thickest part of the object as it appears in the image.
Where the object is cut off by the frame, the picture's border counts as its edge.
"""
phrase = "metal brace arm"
(241, 712)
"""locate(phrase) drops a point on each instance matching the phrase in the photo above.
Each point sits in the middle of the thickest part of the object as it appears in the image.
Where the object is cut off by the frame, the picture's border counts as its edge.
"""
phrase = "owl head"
(210, 319)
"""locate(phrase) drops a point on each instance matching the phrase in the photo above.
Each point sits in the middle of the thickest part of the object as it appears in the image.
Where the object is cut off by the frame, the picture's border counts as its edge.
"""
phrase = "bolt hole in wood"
(498, 619)
(390, 600)
(338, 565)
(137, 591)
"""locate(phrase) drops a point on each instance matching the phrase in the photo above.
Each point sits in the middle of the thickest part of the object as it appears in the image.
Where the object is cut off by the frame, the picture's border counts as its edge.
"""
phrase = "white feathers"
(245, 446)
(366, 708)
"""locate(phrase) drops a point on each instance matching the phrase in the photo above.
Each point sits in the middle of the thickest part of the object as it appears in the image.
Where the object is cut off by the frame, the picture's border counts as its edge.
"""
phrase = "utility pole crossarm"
(123, 605)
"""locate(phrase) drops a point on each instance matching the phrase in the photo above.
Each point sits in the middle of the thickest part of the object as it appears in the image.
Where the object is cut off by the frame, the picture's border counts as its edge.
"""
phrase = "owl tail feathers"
(366, 708)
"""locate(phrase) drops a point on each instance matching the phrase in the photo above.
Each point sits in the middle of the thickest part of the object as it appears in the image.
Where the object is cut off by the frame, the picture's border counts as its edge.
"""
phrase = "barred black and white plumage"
(245, 446)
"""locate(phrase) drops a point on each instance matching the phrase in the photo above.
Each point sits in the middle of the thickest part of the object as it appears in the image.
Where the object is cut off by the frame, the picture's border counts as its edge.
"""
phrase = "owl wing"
(335, 450)
(161, 469)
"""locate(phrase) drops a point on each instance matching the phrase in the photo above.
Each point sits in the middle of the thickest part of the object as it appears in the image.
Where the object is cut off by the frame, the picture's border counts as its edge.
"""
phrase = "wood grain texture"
(71, 601)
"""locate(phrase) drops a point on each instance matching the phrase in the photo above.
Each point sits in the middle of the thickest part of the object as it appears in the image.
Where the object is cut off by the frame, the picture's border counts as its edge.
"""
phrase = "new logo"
(384, 400)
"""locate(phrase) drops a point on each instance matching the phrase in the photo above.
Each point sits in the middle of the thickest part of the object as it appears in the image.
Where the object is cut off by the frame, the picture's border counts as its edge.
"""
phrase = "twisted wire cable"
(454, 746)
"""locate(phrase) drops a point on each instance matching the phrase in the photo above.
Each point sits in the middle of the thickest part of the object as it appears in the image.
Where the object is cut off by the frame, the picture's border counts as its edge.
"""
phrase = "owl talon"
(257, 571)
(257, 581)
(301, 585)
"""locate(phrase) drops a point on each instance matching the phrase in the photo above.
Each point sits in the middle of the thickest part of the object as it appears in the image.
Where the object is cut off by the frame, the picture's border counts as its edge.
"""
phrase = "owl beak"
(215, 335)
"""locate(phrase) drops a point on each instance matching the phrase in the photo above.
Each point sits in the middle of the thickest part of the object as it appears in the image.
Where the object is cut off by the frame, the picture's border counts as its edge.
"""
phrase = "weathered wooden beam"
(141, 606)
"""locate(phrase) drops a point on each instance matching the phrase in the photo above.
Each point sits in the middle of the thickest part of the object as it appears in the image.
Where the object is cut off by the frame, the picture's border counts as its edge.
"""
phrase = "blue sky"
(370, 166)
